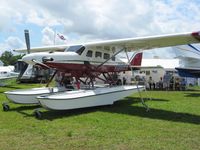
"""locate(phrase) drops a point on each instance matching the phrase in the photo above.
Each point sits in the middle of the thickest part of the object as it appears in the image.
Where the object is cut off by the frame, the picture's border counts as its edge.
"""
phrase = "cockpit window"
(78, 49)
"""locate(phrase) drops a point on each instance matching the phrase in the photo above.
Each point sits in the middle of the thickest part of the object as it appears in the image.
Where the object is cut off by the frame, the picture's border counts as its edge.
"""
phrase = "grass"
(172, 123)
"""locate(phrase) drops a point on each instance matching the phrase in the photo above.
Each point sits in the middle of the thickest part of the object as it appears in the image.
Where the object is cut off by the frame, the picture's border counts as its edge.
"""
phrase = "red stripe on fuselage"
(71, 67)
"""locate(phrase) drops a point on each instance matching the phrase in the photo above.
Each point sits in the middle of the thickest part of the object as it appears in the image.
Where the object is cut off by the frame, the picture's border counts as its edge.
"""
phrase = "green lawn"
(172, 123)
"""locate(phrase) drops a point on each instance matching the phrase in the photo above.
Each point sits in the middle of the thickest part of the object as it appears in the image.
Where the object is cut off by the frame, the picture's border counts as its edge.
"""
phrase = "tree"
(9, 59)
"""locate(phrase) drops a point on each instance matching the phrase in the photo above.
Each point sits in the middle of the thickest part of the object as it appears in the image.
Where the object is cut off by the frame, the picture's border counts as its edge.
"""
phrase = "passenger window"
(106, 56)
(89, 53)
(98, 54)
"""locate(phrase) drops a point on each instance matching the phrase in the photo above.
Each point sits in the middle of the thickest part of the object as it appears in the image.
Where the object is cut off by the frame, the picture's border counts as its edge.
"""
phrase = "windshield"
(78, 49)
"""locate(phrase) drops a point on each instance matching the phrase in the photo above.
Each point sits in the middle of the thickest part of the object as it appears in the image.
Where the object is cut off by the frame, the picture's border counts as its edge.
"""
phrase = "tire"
(38, 114)
(6, 107)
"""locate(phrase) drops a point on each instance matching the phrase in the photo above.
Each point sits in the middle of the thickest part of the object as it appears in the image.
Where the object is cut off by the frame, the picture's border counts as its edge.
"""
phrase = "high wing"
(141, 43)
(43, 49)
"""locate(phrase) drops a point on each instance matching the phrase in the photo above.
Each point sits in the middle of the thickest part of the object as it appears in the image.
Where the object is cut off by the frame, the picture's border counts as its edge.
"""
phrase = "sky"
(94, 20)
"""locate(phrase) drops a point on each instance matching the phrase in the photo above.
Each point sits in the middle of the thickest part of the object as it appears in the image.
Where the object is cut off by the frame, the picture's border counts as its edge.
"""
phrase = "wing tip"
(196, 33)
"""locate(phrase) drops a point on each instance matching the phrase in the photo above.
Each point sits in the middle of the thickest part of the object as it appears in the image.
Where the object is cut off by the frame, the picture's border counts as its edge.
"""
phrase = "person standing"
(160, 83)
(151, 83)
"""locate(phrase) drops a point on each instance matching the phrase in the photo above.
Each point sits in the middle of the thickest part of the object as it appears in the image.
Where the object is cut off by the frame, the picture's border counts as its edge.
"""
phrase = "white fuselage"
(70, 61)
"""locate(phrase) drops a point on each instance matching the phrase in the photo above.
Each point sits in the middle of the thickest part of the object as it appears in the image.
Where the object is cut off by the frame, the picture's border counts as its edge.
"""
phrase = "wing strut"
(47, 85)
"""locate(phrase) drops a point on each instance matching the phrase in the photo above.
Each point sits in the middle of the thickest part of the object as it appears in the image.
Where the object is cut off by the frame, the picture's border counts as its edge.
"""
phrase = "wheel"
(38, 114)
(6, 107)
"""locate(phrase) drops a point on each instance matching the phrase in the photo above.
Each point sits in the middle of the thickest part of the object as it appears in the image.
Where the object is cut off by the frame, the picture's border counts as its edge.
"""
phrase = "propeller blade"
(27, 39)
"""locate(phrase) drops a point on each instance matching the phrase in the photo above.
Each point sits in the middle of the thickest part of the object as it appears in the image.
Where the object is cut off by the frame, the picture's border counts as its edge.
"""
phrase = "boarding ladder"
(141, 98)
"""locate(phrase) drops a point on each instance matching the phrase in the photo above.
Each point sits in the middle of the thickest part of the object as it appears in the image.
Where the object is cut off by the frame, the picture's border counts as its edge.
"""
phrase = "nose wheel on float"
(37, 113)
(5, 106)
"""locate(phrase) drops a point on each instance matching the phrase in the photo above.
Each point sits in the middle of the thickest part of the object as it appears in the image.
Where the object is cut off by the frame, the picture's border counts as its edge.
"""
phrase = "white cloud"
(11, 43)
(91, 20)
(107, 19)
(5, 16)
(118, 19)
(42, 19)
(50, 37)
(177, 16)
(14, 42)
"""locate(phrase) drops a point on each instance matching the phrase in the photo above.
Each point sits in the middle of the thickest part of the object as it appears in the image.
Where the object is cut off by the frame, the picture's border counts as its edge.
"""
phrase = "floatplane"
(29, 96)
(6, 73)
(97, 60)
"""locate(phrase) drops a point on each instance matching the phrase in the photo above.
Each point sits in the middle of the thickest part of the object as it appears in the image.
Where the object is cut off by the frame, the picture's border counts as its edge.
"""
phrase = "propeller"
(27, 39)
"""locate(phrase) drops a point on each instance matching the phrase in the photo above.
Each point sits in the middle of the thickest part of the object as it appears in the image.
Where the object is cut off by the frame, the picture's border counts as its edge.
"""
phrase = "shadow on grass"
(22, 109)
(156, 114)
(192, 89)
(51, 115)
(192, 94)
(124, 107)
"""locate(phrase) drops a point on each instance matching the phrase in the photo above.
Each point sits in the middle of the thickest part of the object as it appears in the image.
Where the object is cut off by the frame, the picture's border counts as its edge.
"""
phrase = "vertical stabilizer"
(137, 59)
